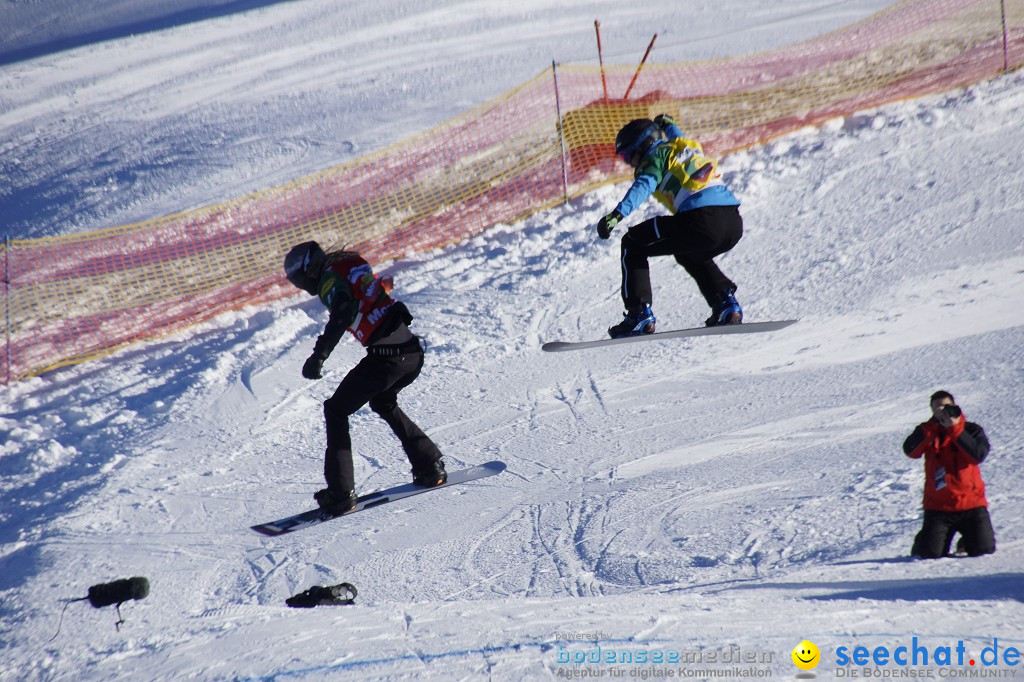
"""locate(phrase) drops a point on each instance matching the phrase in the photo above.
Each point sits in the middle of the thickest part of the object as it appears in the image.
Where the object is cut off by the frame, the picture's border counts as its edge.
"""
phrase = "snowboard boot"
(430, 476)
(726, 311)
(336, 501)
(640, 321)
(961, 547)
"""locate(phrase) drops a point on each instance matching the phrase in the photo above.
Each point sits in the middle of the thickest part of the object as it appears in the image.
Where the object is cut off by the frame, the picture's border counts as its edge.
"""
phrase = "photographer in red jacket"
(954, 494)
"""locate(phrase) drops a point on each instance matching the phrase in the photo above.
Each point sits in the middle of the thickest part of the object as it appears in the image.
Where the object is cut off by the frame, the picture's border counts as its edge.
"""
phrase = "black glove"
(664, 121)
(311, 368)
(607, 224)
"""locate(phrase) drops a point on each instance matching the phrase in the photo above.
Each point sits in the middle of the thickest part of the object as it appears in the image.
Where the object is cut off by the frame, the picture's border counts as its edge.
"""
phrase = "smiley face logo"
(806, 655)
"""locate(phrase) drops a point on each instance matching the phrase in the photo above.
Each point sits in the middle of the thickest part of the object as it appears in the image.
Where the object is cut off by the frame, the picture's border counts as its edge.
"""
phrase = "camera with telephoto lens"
(952, 411)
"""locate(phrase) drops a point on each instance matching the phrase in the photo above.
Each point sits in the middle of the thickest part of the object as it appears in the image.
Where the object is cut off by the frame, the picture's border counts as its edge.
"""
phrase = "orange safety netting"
(537, 145)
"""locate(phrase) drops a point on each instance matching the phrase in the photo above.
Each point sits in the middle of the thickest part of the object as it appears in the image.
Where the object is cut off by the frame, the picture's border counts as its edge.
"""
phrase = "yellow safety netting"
(537, 145)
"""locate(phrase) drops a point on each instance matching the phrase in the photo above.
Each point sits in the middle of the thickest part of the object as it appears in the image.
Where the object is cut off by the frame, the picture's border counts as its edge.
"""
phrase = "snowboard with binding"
(745, 328)
(313, 517)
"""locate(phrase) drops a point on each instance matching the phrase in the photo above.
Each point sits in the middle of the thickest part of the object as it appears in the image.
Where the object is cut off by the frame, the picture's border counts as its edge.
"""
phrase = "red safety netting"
(539, 144)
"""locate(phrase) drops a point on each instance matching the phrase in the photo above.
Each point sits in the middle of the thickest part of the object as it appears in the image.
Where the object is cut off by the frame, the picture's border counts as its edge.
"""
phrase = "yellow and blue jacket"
(679, 175)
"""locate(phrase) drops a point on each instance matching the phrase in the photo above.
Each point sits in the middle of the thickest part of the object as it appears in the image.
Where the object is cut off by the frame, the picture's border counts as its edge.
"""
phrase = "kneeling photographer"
(954, 493)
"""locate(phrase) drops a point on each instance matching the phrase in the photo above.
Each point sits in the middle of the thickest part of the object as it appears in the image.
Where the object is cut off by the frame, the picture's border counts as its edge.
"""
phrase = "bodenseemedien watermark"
(655, 673)
(581, 636)
(646, 663)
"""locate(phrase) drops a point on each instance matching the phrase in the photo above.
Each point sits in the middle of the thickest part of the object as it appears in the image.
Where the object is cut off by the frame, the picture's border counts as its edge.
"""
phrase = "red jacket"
(952, 478)
(358, 301)
(352, 292)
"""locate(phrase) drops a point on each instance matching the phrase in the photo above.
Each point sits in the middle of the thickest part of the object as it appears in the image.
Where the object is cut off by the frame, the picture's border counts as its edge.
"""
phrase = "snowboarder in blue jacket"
(705, 221)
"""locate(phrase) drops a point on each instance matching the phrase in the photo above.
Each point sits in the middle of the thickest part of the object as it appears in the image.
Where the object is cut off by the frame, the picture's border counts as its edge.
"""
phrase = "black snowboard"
(315, 516)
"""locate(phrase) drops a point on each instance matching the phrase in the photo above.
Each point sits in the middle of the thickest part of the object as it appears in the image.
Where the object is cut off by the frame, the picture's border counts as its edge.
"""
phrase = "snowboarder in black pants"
(359, 302)
(705, 221)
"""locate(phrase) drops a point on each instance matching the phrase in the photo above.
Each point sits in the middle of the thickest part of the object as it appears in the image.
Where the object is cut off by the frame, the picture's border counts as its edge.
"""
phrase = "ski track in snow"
(692, 494)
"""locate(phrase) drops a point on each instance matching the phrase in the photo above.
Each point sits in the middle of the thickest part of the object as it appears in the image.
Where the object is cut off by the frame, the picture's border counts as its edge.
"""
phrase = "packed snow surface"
(727, 497)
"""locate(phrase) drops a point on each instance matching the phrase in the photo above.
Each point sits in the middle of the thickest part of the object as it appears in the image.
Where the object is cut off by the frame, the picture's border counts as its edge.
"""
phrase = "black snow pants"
(694, 237)
(376, 380)
(936, 534)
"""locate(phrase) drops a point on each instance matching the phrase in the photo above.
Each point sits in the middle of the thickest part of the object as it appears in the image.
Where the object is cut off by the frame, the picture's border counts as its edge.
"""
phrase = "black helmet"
(635, 138)
(303, 266)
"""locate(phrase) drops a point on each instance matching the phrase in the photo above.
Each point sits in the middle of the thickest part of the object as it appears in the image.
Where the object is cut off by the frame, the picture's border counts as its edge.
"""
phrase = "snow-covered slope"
(167, 105)
(683, 496)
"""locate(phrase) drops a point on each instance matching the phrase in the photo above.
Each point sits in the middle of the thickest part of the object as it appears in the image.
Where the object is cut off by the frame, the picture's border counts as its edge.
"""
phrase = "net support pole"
(639, 67)
(7, 308)
(600, 58)
(561, 133)
(1006, 61)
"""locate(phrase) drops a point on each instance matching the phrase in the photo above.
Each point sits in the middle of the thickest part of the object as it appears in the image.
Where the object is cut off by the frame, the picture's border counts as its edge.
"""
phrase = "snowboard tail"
(314, 517)
(746, 328)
